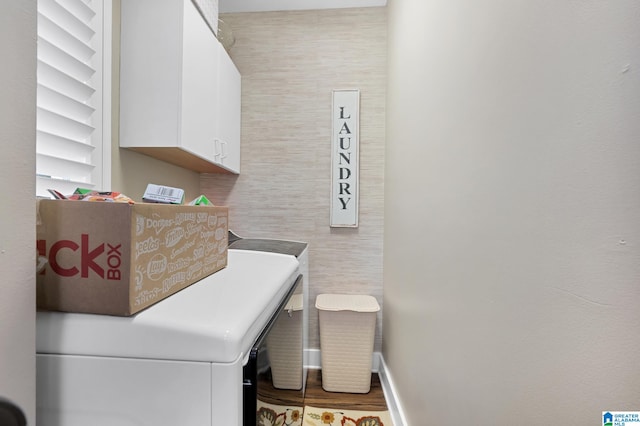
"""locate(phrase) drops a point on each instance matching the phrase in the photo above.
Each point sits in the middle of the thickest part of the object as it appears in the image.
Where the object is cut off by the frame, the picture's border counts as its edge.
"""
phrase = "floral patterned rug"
(314, 416)
(279, 415)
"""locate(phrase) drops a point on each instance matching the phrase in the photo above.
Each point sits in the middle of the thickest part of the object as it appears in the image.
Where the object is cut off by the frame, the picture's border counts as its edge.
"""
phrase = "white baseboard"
(390, 394)
(314, 358)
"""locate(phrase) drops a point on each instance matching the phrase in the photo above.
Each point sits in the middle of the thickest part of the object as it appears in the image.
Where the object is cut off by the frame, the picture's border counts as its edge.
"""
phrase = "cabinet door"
(150, 73)
(199, 79)
(229, 112)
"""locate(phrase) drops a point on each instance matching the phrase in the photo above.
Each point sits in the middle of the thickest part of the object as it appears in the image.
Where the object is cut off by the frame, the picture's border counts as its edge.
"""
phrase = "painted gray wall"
(17, 208)
(512, 240)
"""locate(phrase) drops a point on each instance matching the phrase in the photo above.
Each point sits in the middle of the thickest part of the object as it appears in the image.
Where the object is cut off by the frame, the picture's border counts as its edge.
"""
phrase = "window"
(73, 138)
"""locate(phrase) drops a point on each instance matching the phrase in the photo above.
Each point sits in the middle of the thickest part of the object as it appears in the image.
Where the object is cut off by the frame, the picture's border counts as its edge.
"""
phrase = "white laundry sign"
(345, 158)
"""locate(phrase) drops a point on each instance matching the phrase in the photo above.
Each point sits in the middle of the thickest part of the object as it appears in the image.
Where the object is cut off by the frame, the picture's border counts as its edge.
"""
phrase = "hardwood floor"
(317, 397)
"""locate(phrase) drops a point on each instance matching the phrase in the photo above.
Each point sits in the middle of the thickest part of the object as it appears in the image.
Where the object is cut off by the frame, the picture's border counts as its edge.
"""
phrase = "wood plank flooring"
(318, 397)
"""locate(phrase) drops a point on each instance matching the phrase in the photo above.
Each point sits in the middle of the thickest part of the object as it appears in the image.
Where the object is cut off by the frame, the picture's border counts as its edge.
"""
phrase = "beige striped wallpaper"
(290, 62)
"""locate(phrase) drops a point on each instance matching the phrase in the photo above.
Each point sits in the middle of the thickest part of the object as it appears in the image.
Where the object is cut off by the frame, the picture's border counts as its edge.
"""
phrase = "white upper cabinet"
(179, 90)
(228, 112)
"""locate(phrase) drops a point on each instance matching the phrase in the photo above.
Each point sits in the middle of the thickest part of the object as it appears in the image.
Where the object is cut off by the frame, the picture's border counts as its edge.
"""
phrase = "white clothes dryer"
(180, 362)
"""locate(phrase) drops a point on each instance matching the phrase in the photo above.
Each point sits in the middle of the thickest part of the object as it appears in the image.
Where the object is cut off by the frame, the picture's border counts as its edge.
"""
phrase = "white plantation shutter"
(73, 95)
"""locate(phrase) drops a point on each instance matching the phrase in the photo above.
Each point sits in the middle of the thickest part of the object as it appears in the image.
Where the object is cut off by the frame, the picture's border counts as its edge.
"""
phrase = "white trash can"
(284, 345)
(347, 331)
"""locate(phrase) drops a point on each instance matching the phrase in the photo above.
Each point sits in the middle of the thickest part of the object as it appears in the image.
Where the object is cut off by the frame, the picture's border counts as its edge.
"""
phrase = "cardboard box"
(118, 258)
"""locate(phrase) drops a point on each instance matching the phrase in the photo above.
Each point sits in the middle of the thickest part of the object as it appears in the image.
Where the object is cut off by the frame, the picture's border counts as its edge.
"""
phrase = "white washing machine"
(179, 362)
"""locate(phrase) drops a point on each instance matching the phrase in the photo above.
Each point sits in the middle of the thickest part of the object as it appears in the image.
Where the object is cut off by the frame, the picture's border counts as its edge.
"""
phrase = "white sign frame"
(345, 158)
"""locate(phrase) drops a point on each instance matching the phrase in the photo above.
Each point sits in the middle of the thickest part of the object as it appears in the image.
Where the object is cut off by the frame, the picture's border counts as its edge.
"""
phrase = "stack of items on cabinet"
(103, 253)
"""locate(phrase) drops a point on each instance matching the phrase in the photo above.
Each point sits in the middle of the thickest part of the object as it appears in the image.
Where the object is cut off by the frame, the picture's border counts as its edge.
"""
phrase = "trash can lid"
(347, 302)
(295, 303)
